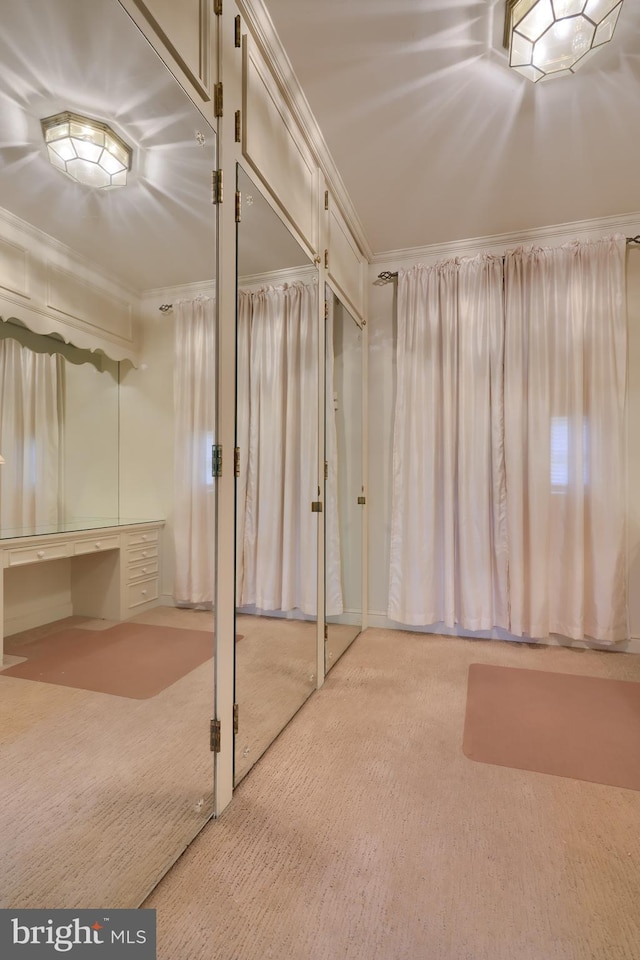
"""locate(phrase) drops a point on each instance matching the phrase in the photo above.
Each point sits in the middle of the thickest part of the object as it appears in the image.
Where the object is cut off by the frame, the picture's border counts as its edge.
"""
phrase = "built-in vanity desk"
(114, 565)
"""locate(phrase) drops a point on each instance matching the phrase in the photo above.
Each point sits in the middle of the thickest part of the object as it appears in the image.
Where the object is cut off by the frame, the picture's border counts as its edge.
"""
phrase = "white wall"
(147, 423)
(382, 383)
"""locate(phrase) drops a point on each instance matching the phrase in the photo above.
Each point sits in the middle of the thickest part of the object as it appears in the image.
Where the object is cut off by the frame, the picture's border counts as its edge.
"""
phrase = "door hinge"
(326, 631)
(236, 461)
(237, 29)
(362, 501)
(238, 206)
(326, 259)
(217, 7)
(326, 199)
(217, 99)
(214, 736)
(326, 309)
(235, 718)
(316, 506)
(216, 460)
(238, 126)
(216, 186)
(326, 470)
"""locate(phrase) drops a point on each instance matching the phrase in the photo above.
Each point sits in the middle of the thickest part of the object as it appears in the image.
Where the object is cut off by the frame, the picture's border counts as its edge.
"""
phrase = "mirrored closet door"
(107, 421)
(278, 348)
(343, 479)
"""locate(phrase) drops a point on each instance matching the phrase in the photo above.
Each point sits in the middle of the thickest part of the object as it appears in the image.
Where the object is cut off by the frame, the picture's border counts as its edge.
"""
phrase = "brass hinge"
(326, 199)
(216, 460)
(326, 259)
(238, 206)
(326, 309)
(362, 501)
(217, 7)
(235, 718)
(217, 99)
(236, 461)
(237, 28)
(326, 470)
(238, 126)
(216, 186)
(326, 632)
(316, 506)
(214, 736)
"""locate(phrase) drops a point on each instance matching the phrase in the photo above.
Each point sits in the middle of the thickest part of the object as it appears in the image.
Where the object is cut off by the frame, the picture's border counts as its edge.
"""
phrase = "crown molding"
(259, 21)
(496, 243)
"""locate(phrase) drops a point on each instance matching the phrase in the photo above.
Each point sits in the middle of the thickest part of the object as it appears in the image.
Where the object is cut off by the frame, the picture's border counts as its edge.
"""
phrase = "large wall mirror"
(105, 767)
(343, 479)
(278, 352)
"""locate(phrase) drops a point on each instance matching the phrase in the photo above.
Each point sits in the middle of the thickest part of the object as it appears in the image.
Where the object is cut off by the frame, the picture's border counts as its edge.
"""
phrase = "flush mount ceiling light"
(86, 150)
(552, 38)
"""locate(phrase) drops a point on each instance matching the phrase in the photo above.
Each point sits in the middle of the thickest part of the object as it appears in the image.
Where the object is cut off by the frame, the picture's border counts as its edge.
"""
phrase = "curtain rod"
(387, 275)
(165, 307)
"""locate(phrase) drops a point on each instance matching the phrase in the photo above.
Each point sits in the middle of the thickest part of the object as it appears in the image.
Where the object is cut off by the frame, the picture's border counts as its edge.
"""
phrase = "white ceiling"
(437, 140)
(58, 55)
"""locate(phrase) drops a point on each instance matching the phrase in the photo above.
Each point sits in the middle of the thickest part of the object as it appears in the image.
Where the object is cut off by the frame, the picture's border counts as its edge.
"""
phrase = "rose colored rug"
(134, 660)
(587, 728)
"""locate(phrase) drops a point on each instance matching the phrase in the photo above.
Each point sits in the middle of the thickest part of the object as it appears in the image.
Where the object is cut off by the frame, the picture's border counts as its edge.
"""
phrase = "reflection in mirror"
(343, 485)
(277, 435)
(106, 687)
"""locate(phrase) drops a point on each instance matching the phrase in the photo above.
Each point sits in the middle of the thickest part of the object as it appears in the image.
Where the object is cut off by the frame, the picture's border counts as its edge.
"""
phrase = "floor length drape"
(194, 434)
(31, 433)
(565, 383)
(278, 359)
(448, 558)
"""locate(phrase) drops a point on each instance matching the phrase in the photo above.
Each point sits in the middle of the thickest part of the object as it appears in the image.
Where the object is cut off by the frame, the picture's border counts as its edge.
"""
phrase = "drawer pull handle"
(41, 553)
(144, 553)
(97, 545)
(144, 536)
(144, 569)
(144, 593)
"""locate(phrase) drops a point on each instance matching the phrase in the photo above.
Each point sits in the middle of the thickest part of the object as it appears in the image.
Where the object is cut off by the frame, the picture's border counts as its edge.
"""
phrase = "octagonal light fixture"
(553, 38)
(86, 150)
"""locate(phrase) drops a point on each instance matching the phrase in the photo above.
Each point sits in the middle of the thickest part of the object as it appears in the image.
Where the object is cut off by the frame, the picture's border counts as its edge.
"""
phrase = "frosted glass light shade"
(553, 38)
(86, 150)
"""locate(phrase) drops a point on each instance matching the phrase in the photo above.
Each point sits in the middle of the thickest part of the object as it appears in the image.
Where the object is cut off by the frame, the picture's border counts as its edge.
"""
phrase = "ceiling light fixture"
(86, 150)
(552, 38)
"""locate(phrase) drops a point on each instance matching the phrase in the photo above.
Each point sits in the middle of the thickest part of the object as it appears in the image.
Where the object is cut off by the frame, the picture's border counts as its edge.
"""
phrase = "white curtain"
(509, 444)
(448, 558)
(31, 391)
(194, 491)
(565, 382)
(333, 560)
(278, 438)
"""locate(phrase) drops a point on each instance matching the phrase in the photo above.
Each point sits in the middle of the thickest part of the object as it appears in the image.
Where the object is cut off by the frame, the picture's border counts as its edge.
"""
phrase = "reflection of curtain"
(333, 561)
(448, 534)
(278, 438)
(31, 386)
(508, 487)
(565, 381)
(194, 493)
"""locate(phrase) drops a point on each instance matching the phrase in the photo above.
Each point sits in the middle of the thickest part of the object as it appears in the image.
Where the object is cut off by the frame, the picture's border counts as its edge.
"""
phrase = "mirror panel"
(277, 436)
(106, 768)
(343, 485)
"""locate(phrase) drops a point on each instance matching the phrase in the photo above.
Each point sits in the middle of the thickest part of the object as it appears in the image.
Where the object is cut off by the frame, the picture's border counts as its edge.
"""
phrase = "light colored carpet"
(364, 833)
(100, 794)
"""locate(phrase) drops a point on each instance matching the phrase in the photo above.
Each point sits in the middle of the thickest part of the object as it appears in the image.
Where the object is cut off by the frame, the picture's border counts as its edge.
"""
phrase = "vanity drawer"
(142, 536)
(143, 552)
(96, 545)
(138, 571)
(35, 554)
(142, 592)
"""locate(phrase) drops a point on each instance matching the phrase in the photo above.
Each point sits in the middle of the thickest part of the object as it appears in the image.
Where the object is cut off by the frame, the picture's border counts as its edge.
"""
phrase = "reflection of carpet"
(132, 660)
(587, 728)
